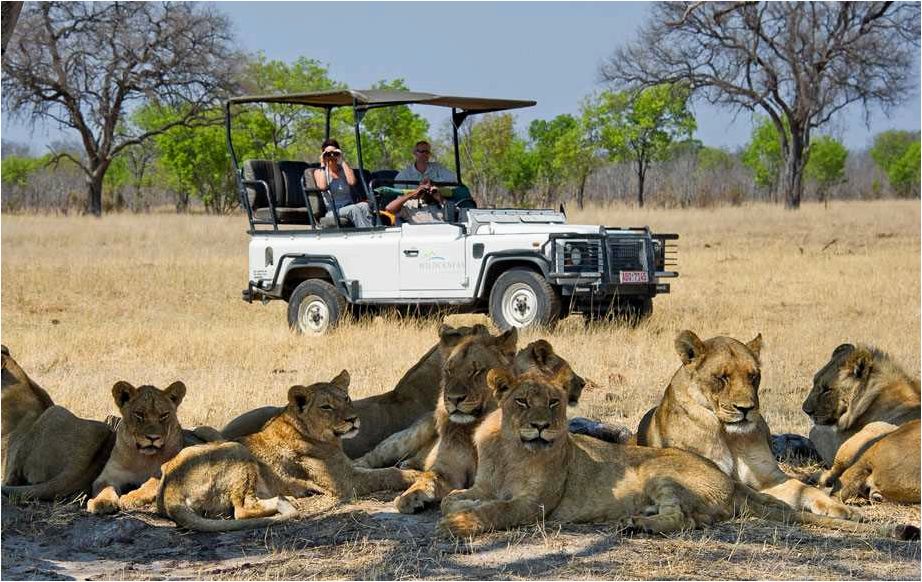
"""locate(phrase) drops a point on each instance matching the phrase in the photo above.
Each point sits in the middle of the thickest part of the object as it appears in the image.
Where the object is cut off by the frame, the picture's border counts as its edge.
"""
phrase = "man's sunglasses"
(423, 151)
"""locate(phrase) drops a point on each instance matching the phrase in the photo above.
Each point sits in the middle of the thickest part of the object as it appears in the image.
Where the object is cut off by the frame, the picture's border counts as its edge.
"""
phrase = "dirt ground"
(368, 539)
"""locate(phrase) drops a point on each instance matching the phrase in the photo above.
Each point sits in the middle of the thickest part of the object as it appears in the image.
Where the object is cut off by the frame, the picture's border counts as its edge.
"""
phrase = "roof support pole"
(358, 115)
(326, 131)
(456, 121)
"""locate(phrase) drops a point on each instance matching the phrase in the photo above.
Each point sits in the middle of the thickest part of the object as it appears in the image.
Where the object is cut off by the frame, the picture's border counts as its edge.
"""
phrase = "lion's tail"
(186, 517)
(73, 479)
(767, 507)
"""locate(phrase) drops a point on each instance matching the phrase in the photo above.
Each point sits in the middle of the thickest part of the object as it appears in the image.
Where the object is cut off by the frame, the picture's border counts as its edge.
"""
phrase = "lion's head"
(850, 382)
(325, 409)
(533, 405)
(149, 422)
(726, 373)
(465, 363)
(540, 356)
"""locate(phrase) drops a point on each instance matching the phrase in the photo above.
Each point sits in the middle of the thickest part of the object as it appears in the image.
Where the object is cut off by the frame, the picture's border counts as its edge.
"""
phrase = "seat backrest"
(314, 196)
(292, 172)
(384, 177)
(268, 172)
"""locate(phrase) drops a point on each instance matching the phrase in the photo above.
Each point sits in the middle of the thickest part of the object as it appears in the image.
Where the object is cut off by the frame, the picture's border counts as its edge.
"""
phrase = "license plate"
(634, 277)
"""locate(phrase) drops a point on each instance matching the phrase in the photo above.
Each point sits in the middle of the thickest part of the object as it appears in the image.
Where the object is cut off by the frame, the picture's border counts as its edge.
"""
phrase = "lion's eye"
(326, 407)
(164, 417)
(521, 402)
(139, 416)
(723, 379)
(555, 403)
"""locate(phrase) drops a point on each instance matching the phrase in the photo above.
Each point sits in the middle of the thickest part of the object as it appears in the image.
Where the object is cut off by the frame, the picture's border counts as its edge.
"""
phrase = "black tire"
(523, 298)
(314, 307)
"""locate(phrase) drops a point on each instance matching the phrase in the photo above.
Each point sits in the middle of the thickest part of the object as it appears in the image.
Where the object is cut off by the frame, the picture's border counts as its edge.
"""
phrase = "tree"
(826, 165)
(904, 172)
(551, 147)
(84, 64)
(892, 153)
(495, 157)
(639, 127)
(763, 155)
(389, 133)
(800, 63)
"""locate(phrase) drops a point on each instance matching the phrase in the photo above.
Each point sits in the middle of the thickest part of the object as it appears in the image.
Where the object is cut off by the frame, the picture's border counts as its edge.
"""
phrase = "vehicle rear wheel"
(523, 298)
(314, 307)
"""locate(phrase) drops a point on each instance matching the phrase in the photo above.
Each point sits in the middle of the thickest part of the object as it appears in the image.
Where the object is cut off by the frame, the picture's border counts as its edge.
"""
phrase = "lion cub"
(147, 436)
(297, 453)
(530, 469)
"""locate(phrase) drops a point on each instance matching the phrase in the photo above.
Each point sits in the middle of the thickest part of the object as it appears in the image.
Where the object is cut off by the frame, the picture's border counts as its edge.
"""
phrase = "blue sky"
(546, 51)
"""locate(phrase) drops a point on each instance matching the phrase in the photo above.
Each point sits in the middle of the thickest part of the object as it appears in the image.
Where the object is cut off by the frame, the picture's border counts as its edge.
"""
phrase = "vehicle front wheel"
(523, 298)
(314, 307)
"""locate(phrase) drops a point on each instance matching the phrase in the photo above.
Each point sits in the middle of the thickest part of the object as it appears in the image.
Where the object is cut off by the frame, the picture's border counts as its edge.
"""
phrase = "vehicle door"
(432, 261)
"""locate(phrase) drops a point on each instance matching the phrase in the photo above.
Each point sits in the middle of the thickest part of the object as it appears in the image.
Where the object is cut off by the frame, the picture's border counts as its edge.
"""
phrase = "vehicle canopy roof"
(371, 98)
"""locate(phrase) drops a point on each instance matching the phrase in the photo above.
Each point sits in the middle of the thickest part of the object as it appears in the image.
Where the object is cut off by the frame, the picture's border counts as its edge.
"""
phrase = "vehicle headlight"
(576, 256)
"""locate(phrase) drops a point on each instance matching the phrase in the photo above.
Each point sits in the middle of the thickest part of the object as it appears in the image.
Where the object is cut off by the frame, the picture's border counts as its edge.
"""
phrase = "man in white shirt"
(420, 206)
(422, 168)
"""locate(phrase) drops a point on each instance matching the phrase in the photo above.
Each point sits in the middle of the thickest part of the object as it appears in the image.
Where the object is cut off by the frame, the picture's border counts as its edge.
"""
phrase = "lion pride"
(711, 407)
(531, 469)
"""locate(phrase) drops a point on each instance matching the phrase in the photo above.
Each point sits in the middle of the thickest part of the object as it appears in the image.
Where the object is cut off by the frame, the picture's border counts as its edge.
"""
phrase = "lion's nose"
(743, 409)
(808, 407)
(540, 424)
(352, 419)
(456, 400)
(153, 437)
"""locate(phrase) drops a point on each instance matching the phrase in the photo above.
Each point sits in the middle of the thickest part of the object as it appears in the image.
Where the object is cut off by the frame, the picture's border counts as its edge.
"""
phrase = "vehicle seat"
(270, 185)
(291, 209)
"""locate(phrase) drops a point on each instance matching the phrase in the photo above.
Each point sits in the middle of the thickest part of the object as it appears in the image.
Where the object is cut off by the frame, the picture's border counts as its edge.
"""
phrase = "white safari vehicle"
(525, 267)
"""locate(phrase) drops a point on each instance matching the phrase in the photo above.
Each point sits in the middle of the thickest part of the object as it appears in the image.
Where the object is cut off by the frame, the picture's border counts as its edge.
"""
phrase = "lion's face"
(325, 408)
(845, 374)
(465, 363)
(534, 406)
(540, 356)
(726, 373)
(149, 420)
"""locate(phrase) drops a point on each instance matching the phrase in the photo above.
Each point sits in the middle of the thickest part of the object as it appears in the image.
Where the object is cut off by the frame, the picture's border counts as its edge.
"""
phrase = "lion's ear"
(301, 397)
(755, 345)
(122, 392)
(341, 381)
(500, 381)
(860, 363)
(506, 342)
(449, 336)
(689, 347)
(176, 392)
(541, 351)
(843, 350)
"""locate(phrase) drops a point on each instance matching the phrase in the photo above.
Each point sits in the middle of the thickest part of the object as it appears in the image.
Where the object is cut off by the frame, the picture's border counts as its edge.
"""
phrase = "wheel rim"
(313, 315)
(520, 305)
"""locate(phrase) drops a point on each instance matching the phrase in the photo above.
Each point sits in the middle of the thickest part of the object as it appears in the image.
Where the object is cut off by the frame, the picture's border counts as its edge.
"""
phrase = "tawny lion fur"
(47, 451)
(297, 453)
(531, 470)
(415, 396)
(711, 407)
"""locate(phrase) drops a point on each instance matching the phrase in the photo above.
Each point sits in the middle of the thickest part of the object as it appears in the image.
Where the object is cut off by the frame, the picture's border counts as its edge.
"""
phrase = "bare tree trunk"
(792, 181)
(9, 13)
(94, 193)
(582, 191)
(641, 178)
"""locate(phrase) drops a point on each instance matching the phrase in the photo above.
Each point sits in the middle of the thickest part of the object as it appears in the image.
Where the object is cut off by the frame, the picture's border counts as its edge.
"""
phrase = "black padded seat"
(285, 214)
(265, 171)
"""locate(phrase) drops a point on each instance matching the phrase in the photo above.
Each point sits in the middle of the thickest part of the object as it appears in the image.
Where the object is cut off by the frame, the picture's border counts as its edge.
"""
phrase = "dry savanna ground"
(151, 299)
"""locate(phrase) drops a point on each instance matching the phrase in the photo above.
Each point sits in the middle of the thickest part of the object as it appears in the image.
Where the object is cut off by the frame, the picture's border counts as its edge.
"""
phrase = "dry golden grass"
(151, 299)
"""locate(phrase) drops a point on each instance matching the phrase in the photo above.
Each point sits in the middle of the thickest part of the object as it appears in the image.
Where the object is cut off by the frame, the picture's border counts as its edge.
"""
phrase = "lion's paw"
(105, 503)
(413, 501)
(461, 524)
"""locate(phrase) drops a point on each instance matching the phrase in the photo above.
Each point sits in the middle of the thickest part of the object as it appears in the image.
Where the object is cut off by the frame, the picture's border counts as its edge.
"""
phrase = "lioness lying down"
(47, 451)
(382, 415)
(711, 407)
(297, 453)
(530, 469)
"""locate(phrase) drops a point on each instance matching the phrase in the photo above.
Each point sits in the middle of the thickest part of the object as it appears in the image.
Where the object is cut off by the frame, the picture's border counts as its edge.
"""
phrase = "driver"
(423, 205)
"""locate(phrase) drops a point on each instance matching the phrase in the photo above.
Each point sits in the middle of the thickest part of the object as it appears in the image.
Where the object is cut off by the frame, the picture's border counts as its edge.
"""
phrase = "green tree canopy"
(826, 163)
(895, 152)
(640, 126)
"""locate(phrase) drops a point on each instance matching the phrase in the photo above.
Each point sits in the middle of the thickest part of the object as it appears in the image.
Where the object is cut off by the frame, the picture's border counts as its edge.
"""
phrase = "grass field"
(151, 299)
